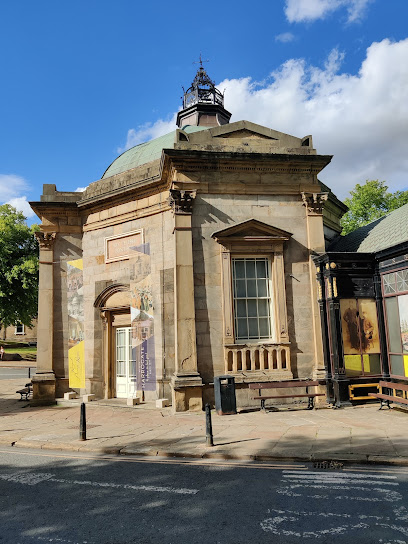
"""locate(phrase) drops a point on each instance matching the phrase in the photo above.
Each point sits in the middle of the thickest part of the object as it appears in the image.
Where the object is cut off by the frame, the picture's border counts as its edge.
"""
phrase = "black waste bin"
(224, 392)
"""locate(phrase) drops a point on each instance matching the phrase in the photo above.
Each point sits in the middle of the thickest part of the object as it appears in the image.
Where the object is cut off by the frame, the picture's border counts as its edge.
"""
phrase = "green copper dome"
(144, 153)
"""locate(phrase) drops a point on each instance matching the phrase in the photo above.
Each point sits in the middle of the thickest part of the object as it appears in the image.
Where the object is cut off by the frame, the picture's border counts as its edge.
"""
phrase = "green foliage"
(369, 202)
(18, 268)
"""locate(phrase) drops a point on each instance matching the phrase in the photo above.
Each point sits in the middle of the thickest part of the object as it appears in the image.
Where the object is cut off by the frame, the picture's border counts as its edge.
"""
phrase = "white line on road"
(339, 475)
(334, 480)
(33, 478)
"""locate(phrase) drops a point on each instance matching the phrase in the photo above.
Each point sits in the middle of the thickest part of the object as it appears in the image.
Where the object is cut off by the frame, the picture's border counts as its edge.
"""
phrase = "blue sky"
(84, 80)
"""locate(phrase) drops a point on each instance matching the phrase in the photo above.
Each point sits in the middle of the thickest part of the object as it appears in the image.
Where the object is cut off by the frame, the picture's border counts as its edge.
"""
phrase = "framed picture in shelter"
(361, 343)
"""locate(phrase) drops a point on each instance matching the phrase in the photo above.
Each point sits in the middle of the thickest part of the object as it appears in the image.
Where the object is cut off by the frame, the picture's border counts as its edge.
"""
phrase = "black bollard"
(82, 423)
(208, 426)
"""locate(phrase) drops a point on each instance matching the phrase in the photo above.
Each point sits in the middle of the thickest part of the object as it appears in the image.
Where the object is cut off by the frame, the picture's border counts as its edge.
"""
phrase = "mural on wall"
(75, 303)
(142, 318)
(359, 324)
(361, 342)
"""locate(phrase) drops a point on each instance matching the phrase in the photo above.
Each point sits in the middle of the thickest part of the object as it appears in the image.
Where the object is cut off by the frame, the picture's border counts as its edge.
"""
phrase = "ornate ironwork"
(202, 90)
(182, 201)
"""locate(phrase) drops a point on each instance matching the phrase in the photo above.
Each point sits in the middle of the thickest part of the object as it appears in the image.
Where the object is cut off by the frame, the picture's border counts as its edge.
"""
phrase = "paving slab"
(352, 434)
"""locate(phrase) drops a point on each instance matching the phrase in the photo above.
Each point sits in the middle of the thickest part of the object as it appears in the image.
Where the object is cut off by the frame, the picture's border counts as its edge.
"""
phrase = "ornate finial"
(182, 201)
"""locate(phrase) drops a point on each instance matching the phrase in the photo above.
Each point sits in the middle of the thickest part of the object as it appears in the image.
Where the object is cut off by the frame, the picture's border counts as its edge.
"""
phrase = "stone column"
(186, 382)
(314, 203)
(44, 379)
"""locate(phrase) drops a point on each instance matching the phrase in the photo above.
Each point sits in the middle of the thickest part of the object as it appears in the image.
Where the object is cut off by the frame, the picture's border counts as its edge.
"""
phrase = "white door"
(125, 364)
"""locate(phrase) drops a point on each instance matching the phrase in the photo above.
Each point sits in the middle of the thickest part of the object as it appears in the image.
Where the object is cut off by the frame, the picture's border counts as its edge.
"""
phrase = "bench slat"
(312, 395)
(393, 385)
(278, 385)
(389, 397)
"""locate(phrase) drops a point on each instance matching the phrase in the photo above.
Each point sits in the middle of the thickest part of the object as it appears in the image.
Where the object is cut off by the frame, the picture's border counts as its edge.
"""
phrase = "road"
(15, 372)
(73, 498)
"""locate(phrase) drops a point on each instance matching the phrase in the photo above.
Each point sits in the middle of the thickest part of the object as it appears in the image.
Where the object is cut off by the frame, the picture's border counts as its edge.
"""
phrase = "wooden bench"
(385, 398)
(26, 391)
(305, 384)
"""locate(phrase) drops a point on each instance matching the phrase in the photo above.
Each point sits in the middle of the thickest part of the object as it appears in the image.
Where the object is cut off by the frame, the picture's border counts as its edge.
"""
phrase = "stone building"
(190, 258)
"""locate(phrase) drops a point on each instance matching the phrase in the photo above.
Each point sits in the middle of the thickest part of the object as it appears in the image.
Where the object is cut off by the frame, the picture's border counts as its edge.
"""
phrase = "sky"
(81, 81)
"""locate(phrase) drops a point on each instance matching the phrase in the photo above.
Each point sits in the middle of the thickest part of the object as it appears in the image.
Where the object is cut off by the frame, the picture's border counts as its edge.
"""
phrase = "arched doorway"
(119, 368)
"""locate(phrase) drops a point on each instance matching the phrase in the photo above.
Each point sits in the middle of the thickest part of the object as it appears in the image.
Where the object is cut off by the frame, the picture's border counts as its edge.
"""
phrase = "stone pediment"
(251, 230)
(245, 134)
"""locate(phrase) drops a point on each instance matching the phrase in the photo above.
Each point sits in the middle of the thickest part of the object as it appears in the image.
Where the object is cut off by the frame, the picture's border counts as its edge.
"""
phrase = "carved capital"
(46, 239)
(314, 202)
(182, 201)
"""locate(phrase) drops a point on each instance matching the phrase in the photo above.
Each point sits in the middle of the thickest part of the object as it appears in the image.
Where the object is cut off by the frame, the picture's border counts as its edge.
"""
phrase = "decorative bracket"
(46, 239)
(314, 202)
(182, 201)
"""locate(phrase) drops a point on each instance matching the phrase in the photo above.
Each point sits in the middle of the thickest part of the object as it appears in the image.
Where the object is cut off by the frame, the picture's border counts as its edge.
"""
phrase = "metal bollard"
(82, 423)
(208, 426)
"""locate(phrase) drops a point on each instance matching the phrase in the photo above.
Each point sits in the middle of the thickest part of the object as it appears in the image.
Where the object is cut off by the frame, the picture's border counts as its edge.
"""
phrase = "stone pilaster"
(44, 379)
(314, 203)
(186, 382)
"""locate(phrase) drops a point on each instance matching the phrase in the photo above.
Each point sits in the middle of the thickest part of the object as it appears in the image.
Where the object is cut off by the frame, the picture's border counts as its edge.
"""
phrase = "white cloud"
(147, 132)
(11, 187)
(298, 11)
(286, 37)
(80, 189)
(21, 204)
(361, 119)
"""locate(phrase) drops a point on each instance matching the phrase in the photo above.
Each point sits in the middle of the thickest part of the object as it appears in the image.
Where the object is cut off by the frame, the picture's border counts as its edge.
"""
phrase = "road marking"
(333, 479)
(298, 486)
(339, 475)
(33, 478)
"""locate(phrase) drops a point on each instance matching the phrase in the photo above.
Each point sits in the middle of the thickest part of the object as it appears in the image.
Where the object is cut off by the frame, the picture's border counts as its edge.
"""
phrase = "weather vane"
(200, 62)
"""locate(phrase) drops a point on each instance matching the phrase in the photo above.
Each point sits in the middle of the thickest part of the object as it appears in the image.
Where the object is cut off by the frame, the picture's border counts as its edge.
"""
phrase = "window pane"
(397, 365)
(349, 323)
(253, 328)
(262, 288)
(352, 364)
(252, 309)
(403, 315)
(251, 287)
(261, 268)
(263, 307)
(242, 328)
(241, 308)
(389, 283)
(372, 365)
(241, 291)
(393, 325)
(250, 268)
(239, 268)
(251, 298)
(264, 328)
(402, 280)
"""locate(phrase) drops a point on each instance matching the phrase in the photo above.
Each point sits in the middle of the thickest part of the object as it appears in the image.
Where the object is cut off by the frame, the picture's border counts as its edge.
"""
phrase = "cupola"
(203, 103)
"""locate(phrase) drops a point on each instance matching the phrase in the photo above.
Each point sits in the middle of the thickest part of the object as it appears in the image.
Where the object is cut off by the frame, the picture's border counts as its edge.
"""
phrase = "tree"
(369, 202)
(18, 268)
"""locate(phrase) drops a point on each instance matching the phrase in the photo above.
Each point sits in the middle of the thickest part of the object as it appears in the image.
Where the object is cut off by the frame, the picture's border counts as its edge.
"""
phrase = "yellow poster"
(76, 358)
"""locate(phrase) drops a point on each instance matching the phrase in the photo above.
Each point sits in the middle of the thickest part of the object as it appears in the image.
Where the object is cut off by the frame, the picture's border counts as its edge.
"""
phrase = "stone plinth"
(43, 388)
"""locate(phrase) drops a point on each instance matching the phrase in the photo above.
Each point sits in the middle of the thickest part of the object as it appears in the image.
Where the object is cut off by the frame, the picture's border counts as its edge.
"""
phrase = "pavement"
(358, 434)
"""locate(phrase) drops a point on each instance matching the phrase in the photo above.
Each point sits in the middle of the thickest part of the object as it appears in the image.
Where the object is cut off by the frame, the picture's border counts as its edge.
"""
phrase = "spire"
(203, 103)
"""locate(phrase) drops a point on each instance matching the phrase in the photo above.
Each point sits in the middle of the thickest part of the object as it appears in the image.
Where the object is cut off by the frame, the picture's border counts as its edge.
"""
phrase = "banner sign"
(142, 317)
(75, 302)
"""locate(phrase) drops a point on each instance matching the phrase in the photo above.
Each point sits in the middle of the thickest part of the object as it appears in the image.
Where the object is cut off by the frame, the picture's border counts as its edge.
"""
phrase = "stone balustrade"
(257, 358)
